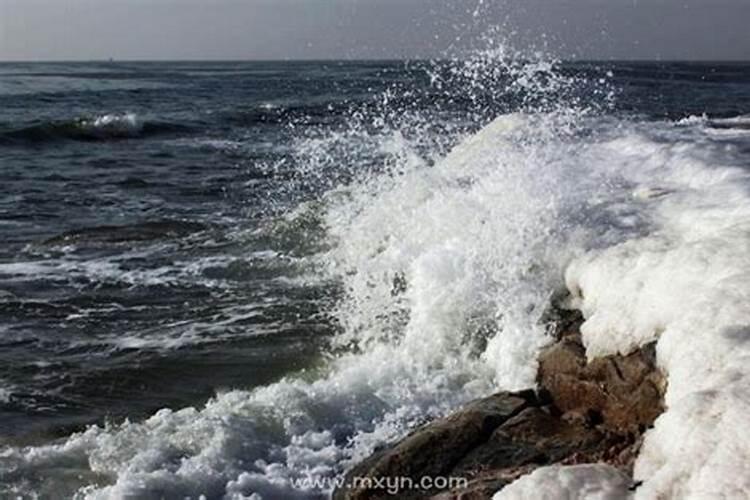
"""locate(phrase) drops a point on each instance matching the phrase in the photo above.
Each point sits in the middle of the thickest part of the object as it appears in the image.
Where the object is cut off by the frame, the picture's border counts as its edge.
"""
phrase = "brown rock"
(583, 413)
(623, 392)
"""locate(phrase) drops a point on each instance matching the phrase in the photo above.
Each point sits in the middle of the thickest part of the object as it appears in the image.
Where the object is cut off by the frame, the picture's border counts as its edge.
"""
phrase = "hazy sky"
(318, 29)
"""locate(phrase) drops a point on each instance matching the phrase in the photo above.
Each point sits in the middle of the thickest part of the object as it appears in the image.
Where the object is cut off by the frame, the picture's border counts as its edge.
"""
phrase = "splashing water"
(447, 264)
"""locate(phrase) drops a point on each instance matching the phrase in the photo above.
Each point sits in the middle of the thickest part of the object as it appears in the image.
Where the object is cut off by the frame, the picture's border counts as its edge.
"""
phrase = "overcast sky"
(367, 29)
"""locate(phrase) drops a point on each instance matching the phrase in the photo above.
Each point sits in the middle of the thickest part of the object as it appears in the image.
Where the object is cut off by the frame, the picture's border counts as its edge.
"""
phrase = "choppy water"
(292, 237)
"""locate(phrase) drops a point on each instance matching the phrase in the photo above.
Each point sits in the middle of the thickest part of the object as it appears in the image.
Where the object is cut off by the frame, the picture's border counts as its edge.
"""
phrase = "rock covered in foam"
(685, 285)
(584, 412)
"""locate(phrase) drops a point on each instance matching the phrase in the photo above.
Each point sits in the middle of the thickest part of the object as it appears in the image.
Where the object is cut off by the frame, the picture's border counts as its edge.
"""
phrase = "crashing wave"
(447, 270)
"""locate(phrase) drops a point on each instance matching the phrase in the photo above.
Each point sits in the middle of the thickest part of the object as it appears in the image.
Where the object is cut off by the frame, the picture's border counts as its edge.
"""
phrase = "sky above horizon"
(369, 29)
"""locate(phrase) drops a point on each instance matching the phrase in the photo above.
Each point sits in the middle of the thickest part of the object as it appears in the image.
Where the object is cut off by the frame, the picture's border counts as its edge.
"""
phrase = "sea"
(233, 280)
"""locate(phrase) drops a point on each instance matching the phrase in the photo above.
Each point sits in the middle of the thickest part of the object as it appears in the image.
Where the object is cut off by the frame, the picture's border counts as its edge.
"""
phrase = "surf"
(448, 252)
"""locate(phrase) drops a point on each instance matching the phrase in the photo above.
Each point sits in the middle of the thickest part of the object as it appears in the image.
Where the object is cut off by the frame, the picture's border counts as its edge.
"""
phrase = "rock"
(624, 392)
(434, 449)
(583, 412)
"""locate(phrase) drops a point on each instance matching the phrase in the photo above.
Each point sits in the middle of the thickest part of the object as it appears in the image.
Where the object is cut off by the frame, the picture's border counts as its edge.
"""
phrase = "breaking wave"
(90, 129)
(448, 264)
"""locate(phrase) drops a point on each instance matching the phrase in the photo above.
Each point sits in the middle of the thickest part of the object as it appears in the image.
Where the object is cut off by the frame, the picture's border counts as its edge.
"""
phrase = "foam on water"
(581, 482)
(125, 124)
(447, 271)
(685, 284)
(5, 394)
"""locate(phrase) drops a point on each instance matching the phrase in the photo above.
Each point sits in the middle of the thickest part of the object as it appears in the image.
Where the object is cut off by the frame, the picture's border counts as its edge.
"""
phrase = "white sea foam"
(687, 284)
(113, 125)
(5, 394)
(580, 482)
(105, 270)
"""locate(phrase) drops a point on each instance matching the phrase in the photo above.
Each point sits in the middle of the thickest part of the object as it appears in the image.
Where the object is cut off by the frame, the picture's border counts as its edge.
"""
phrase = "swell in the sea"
(105, 127)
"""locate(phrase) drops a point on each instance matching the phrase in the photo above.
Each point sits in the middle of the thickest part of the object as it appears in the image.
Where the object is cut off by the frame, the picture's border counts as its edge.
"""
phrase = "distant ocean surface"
(223, 278)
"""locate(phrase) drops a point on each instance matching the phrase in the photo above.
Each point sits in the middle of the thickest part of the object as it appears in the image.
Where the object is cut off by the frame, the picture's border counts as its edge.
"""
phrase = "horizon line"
(352, 60)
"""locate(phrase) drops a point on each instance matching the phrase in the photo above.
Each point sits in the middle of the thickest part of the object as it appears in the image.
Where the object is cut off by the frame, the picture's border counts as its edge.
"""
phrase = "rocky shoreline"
(580, 413)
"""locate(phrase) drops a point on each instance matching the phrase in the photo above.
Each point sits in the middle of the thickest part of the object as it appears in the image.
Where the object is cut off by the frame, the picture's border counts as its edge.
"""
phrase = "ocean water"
(234, 280)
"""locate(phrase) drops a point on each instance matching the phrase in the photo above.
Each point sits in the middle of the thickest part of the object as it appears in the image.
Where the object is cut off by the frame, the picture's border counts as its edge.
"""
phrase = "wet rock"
(434, 449)
(582, 412)
(624, 392)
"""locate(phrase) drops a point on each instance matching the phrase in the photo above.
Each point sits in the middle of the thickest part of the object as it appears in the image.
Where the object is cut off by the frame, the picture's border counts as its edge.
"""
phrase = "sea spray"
(446, 266)
(447, 245)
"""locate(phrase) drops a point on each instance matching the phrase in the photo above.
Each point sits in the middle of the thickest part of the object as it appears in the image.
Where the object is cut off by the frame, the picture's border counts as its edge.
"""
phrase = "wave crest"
(105, 127)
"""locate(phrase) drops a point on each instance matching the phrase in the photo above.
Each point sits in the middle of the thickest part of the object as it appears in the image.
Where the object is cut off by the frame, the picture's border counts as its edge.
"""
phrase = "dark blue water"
(146, 261)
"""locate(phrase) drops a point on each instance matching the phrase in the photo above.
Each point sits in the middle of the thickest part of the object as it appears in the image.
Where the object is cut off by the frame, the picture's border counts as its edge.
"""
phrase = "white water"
(646, 224)
(112, 125)
(686, 284)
